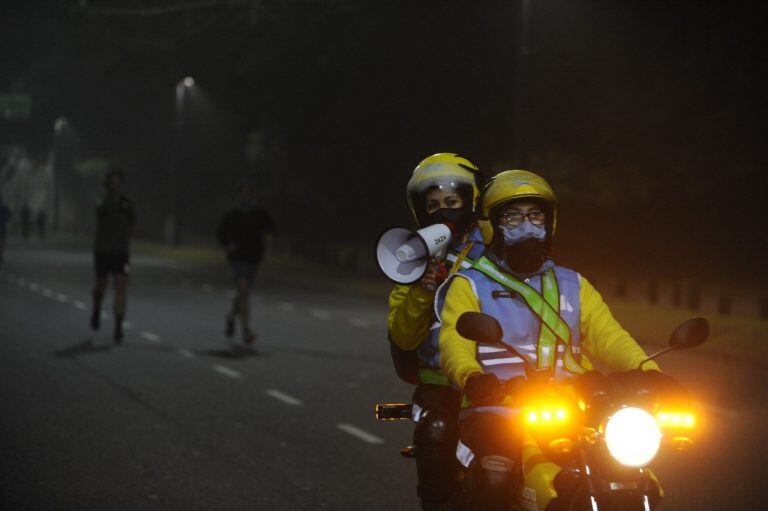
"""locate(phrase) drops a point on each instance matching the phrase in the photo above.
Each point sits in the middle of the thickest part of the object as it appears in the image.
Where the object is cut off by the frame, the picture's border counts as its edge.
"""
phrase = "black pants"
(435, 438)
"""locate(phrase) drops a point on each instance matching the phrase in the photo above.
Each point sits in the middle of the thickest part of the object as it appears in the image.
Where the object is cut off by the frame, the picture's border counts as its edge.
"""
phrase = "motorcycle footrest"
(394, 411)
(409, 451)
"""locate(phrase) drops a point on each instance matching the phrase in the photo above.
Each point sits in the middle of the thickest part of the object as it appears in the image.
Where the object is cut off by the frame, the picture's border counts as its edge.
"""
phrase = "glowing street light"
(58, 127)
(171, 222)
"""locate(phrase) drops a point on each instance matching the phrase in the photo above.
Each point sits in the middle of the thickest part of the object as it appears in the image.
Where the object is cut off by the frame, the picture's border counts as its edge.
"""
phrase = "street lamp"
(58, 129)
(171, 222)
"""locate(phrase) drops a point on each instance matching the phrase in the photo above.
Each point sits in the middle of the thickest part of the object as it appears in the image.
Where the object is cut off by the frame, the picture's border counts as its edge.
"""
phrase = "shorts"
(106, 263)
(242, 270)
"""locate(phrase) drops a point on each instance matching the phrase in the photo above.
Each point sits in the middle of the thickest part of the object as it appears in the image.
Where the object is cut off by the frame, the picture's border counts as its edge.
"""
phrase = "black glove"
(649, 383)
(484, 389)
(667, 387)
(592, 385)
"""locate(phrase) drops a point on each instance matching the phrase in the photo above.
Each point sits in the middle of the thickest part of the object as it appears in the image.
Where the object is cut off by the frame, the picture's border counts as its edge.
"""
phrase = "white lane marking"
(127, 325)
(285, 398)
(320, 314)
(185, 353)
(62, 298)
(359, 322)
(359, 433)
(209, 288)
(79, 305)
(33, 286)
(226, 371)
(47, 293)
(149, 336)
(286, 306)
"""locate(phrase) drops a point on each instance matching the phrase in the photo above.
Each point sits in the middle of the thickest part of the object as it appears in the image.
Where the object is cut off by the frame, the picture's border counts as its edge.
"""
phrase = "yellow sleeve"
(410, 315)
(603, 338)
(458, 354)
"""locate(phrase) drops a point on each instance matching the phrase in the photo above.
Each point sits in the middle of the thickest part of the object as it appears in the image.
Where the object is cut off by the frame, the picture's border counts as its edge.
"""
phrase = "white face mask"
(522, 232)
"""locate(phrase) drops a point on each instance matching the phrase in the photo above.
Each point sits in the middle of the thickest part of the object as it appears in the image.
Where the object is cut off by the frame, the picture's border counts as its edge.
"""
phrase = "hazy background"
(647, 117)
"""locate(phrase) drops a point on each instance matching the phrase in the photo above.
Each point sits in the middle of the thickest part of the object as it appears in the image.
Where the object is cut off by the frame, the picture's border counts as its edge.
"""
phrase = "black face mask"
(458, 219)
(526, 256)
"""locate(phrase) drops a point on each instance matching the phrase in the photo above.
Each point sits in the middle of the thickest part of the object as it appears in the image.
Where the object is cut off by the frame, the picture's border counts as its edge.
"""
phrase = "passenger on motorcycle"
(517, 282)
(442, 189)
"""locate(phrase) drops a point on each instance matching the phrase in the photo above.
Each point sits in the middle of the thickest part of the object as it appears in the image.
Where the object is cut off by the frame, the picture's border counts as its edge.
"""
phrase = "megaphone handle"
(442, 272)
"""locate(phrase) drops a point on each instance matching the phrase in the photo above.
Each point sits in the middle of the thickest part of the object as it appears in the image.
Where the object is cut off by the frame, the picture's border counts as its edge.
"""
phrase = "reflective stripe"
(433, 376)
(460, 259)
(464, 454)
(490, 349)
(497, 361)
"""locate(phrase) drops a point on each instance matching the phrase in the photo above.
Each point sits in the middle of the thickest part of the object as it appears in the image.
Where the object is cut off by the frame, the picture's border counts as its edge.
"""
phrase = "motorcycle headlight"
(632, 436)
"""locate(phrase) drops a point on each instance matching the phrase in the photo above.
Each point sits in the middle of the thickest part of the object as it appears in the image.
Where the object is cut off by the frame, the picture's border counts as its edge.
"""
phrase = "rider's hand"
(592, 384)
(667, 387)
(484, 389)
(429, 281)
(637, 381)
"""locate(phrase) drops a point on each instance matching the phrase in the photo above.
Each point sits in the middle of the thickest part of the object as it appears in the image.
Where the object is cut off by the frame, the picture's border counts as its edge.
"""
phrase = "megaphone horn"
(403, 255)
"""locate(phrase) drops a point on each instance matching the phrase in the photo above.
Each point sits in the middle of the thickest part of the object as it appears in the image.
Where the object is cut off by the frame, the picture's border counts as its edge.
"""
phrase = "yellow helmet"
(513, 185)
(442, 170)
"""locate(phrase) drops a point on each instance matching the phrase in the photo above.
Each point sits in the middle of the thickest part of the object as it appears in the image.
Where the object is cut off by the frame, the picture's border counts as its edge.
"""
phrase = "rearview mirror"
(479, 327)
(690, 334)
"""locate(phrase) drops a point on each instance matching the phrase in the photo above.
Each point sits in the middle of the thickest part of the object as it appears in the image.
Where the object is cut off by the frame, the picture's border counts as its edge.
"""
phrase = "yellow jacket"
(410, 315)
(602, 337)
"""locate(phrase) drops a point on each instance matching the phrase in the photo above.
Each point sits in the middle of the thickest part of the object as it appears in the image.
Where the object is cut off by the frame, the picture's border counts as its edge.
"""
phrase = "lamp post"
(521, 61)
(172, 223)
(58, 128)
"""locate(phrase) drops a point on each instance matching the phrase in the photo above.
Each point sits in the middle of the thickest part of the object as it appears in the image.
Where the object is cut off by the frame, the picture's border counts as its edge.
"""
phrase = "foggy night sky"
(646, 117)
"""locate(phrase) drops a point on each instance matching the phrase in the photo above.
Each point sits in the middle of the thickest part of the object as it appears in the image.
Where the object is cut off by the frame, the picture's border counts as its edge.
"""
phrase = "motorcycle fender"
(538, 476)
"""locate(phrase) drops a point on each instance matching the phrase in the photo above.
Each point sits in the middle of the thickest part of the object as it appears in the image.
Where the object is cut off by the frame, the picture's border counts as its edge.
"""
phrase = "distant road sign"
(15, 106)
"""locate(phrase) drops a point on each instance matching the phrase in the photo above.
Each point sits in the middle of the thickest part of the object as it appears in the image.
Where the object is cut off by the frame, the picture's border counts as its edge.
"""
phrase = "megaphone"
(403, 255)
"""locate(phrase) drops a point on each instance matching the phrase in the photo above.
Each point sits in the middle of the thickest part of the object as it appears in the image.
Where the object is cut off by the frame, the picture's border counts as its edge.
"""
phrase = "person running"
(115, 219)
(242, 232)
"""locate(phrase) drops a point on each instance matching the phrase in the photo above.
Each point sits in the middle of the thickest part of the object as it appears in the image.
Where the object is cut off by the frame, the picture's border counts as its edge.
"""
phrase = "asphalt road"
(175, 418)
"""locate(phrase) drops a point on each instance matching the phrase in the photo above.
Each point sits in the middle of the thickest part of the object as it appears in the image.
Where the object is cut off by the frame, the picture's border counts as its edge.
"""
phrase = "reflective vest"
(460, 257)
(539, 317)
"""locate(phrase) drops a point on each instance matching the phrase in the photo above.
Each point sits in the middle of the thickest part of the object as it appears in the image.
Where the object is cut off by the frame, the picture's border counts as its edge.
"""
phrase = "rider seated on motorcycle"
(442, 189)
(521, 208)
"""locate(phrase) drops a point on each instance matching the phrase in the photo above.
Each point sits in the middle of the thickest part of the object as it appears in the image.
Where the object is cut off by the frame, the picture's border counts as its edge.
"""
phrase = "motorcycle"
(587, 442)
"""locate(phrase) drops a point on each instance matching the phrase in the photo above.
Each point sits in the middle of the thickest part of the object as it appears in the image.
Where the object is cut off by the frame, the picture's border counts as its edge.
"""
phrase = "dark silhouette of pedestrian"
(41, 221)
(242, 233)
(26, 220)
(115, 218)
(5, 216)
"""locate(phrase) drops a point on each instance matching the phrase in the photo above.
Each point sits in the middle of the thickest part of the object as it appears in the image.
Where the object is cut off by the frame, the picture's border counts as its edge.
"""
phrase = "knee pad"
(435, 429)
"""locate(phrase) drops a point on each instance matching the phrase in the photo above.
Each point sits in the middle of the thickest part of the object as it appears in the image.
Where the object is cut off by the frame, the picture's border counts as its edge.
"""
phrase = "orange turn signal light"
(676, 419)
(546, 416)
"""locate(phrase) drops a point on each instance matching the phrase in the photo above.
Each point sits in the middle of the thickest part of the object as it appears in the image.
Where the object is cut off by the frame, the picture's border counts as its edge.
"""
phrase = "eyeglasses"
(517, 217)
